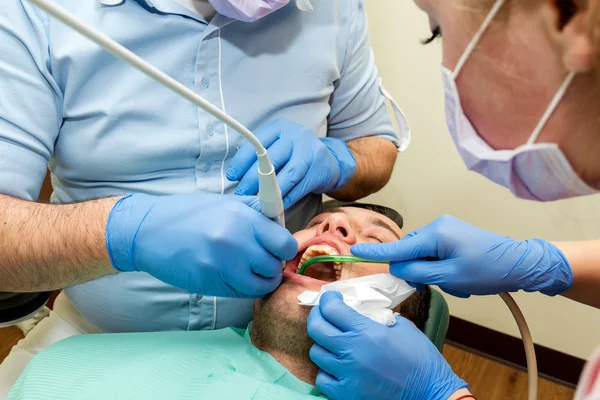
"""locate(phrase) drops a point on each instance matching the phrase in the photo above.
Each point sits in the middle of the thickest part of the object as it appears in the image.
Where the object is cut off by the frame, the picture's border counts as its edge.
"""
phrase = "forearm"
(375, 159)
(584, 259)
(48, 247)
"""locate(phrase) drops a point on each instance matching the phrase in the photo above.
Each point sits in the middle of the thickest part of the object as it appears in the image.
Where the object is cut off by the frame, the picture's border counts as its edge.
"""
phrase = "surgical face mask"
(535, 171)
(247, 10)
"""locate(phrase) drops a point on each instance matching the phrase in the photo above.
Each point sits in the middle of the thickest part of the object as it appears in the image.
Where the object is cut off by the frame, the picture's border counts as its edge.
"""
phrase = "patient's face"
(278, 319)
(334, 232)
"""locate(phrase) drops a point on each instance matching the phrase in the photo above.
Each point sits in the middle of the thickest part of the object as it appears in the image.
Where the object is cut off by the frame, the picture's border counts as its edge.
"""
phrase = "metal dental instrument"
(271, 203)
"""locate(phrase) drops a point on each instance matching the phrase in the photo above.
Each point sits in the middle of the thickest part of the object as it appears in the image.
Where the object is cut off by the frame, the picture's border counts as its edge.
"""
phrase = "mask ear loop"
(469, 50)
(551, 108)
(304, 5)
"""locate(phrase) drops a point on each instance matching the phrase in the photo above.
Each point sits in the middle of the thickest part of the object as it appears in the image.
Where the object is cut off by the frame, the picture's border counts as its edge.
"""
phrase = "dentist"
(522, 86)
(145, 231)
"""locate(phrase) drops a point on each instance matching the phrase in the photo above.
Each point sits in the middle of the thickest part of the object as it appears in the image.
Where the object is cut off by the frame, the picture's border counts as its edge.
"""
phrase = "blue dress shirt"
(104, 129)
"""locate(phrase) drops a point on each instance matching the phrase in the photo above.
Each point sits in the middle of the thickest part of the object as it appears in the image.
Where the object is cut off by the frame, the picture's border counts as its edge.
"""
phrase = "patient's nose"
(338, 225)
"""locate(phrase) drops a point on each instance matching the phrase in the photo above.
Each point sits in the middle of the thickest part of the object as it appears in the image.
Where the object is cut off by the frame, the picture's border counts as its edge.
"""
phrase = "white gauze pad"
(373, 296)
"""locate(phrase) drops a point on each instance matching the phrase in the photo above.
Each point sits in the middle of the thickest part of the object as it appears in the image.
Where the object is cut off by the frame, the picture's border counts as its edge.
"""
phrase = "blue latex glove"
(362, 359)
(204, 243)
(304, 163)
(465, 260)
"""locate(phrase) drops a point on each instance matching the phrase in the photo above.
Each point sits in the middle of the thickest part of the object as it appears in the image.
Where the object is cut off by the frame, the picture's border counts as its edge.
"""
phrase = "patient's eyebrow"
(382, 224)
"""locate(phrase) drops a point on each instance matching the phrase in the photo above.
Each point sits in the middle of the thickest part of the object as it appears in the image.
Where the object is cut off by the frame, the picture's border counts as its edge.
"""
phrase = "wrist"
(122, 226)
(557, 269)
(345, 159)
(461, 394)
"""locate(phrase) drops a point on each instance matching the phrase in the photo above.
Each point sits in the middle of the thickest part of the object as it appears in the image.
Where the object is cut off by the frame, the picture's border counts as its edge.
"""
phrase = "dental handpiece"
(271, 203)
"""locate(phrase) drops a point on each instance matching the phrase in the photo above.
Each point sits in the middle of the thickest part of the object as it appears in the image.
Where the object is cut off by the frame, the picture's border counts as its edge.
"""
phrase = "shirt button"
(210, 130)
(207, 167)
(205, 83)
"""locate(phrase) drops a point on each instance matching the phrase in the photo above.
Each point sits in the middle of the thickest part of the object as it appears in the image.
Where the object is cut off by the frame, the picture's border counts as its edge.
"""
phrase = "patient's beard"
(279, 328)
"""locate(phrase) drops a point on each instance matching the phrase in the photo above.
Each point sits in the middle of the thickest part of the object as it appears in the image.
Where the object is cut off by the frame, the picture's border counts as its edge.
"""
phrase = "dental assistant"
(153, 226)
(522, 87)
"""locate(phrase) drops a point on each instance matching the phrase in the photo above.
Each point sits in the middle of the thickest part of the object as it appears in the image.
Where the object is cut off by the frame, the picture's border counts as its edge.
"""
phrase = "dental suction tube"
(532, 371)
(269, 194)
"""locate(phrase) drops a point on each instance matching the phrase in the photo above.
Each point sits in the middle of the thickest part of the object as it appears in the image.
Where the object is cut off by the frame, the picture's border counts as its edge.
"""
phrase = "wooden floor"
(8, 338)
(488, 379)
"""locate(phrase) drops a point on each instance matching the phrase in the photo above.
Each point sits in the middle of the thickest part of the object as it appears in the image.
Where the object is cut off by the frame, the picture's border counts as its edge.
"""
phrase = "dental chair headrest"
(388, 212)
(15, 307)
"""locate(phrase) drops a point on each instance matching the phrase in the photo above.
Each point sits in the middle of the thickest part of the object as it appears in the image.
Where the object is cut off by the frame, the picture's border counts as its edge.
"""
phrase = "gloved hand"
(362, 359)
(205, 243)
(465, 260)
(304, 163)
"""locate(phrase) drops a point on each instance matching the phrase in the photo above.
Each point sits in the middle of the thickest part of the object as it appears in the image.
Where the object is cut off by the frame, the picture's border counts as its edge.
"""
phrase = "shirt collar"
(304, 5)
(284, 377)
(173, 7)
(118, 2)
(248, 332)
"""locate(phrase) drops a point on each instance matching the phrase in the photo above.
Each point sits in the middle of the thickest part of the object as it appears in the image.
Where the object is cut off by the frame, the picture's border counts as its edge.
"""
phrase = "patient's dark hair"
(416, 307)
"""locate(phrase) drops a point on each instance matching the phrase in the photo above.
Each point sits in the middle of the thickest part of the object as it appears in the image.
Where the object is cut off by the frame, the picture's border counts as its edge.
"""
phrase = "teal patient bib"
(220, 364)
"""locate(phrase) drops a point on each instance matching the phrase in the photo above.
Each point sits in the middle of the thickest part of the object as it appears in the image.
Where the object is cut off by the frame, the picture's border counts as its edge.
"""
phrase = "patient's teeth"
(317, 250)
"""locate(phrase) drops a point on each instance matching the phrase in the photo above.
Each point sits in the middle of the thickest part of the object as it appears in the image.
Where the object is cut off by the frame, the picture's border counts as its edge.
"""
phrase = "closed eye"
(376, 239)
(312, 224)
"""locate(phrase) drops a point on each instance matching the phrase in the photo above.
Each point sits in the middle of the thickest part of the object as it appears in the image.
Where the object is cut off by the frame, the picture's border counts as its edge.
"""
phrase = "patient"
(269, 360)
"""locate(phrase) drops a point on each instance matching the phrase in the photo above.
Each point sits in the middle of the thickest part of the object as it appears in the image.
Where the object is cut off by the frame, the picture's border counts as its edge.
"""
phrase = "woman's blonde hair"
(594, 29)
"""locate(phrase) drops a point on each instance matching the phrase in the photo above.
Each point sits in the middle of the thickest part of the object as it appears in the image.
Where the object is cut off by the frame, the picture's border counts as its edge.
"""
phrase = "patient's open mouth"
(327, 272)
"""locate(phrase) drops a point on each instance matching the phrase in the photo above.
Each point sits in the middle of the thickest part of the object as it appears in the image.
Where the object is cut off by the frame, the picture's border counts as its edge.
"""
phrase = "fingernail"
(231, 173)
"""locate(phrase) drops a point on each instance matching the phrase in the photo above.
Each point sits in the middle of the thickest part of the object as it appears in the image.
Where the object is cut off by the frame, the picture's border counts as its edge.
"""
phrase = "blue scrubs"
(104, 129)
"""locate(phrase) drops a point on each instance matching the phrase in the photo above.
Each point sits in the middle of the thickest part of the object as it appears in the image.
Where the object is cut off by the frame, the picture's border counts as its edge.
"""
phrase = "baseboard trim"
(552, 364)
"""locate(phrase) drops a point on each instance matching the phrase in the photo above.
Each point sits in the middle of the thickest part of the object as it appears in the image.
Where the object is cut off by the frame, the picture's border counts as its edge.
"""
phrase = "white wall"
(430, 180)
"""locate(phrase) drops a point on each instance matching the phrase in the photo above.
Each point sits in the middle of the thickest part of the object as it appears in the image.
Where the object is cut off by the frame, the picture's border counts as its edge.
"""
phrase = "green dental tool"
(334, 258)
